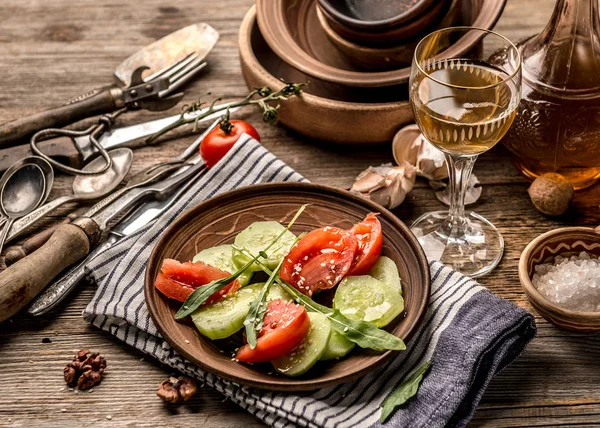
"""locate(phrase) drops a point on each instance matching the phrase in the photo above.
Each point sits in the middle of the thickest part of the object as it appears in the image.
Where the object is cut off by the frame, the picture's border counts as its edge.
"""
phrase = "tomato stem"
(260, 97)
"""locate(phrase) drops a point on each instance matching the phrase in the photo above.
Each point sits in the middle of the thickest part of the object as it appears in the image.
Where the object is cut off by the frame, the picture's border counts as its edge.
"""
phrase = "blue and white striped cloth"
(468, 333)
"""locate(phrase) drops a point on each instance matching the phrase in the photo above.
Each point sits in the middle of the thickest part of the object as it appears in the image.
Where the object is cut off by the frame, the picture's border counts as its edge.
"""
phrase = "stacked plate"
(344, 102)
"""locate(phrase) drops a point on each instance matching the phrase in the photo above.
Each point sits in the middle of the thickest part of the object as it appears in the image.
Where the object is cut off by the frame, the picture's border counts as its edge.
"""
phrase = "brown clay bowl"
(376, 15)
(383, 58)
(564, 241)
(391, 36)
(217, 221)
(293, 32)
(324, 111)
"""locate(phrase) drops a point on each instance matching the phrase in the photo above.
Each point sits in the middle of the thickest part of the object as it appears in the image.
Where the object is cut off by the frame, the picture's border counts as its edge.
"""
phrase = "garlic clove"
(473, 194)
(410, 146)
(397, 182)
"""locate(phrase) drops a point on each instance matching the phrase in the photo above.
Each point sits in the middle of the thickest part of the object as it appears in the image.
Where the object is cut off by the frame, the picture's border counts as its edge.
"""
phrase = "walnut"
(86, 369)
(551, 194)
(174, 390)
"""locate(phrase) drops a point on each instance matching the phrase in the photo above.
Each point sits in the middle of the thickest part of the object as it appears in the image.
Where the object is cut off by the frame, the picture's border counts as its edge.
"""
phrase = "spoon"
(85, 187)
(23, 187)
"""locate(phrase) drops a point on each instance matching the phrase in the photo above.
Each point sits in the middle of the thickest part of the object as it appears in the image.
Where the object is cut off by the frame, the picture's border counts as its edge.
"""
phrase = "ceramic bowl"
(564, 241)
(217, 221)
(293, 32)
(383, 58)
(324, 111)
(376, 15)
(394, 35)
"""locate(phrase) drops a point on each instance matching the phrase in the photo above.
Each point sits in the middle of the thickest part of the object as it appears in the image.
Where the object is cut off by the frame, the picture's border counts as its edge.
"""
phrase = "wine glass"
(463, 106)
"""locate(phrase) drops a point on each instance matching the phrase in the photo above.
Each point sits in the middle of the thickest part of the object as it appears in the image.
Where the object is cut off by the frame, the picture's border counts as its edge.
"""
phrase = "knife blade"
(143, 215)
(77, 151)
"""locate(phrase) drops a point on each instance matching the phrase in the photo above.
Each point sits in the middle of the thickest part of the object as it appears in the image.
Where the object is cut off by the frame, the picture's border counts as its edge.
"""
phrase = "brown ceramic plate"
(376, 15)
(325, 111)
(293, 31)
(219, 219)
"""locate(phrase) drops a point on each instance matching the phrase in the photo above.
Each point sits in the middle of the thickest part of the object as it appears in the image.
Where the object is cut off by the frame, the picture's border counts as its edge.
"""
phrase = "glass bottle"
(557, 127)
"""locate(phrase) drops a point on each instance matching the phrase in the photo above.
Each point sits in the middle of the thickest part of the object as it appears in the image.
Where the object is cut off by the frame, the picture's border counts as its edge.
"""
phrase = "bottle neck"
(564, 56)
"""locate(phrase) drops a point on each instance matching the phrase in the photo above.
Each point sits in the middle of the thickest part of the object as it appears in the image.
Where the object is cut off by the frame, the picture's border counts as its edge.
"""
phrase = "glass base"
(472, 245)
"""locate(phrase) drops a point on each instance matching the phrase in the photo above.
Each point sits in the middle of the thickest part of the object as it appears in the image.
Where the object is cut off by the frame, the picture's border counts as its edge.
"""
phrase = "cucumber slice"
(221, 257)
(256, 237)
(277, 292)
(310, 350)
(337, 347)
(223, 318)
(386, 271)
(366, 298)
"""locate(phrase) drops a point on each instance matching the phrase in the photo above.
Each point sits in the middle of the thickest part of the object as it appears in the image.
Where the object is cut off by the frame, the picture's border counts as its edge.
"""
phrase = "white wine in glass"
(463, 106)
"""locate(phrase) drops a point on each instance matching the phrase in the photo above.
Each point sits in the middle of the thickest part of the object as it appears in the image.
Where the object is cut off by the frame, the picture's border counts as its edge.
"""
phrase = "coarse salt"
(572, 282)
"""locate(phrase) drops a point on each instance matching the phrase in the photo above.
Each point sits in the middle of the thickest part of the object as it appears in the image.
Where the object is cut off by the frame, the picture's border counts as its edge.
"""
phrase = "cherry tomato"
(319, 260)
(178, 280)
(217, 143)
(370, 240)
(285, 325)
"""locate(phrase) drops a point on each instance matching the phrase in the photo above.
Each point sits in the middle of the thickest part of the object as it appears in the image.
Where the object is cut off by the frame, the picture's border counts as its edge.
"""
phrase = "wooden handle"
(98, 102)
(25, 279)
(17, 252)
(60, 148)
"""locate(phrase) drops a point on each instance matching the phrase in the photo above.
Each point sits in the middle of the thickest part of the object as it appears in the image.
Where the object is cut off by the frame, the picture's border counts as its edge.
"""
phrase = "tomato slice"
(370, 240)
(319, 260)
(178, 280)
(285, 325)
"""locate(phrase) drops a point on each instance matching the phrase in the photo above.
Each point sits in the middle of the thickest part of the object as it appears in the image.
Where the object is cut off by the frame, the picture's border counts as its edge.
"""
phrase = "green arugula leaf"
(363, 333)
(254, 319)
(201, 294)
(407, 389)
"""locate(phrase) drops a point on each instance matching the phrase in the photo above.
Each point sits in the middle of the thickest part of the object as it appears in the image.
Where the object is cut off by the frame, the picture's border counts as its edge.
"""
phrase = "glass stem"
(459, 171)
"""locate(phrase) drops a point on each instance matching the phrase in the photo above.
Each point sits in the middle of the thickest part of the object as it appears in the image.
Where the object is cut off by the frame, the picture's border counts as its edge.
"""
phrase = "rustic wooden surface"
(53, 50)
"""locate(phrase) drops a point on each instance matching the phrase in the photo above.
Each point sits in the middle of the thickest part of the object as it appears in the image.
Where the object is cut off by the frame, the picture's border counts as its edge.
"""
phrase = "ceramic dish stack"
(344, 101)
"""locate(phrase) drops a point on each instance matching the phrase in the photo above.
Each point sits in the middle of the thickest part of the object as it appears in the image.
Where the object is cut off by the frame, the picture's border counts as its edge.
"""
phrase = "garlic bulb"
(410, 146)
(386, 184)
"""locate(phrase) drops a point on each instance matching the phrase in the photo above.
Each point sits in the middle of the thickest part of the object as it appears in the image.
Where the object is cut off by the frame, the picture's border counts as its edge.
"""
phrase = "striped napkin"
(468, 333)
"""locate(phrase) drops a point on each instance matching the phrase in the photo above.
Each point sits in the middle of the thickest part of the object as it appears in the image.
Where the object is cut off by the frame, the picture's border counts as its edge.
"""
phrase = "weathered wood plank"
(52, 51)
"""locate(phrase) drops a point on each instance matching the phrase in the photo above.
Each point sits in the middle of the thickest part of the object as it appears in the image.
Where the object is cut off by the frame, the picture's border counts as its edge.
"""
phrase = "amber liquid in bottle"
(472, 115)
(557, 126)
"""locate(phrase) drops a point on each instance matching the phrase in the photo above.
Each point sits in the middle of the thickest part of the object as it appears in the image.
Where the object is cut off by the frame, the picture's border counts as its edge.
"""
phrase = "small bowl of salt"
(560, 274)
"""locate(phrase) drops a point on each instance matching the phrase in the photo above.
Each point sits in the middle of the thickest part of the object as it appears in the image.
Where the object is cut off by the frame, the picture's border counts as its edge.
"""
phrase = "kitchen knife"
(198, 38)
(77, 151)
(21, 282)
(142, 216)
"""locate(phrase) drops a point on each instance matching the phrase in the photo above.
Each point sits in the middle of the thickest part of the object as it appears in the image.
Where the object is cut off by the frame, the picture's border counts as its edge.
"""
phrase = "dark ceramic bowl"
(376, 15)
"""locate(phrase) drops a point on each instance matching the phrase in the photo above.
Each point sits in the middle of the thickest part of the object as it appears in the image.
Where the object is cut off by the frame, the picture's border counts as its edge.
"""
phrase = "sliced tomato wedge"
(319, 260)
(370, 240)
(285, 325)
(178, 280)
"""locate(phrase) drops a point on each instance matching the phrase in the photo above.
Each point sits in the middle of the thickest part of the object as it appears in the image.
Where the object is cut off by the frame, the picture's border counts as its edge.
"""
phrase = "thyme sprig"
(261, 97)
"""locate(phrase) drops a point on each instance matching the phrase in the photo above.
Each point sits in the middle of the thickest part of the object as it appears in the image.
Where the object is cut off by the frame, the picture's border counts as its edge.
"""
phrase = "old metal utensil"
(187, 47)
(22, 189)
(85, 188)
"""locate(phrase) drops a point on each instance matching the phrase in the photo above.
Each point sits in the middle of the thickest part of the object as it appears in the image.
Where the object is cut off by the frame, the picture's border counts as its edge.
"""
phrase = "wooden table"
(53, 50)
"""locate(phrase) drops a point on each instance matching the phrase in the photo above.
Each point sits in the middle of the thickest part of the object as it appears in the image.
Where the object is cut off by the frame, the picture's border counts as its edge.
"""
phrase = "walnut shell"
(551, 194)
